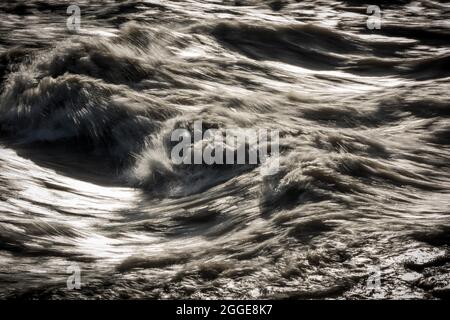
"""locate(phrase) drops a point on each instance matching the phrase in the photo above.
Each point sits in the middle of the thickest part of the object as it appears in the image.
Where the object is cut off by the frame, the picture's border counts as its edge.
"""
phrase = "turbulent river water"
(360, 206)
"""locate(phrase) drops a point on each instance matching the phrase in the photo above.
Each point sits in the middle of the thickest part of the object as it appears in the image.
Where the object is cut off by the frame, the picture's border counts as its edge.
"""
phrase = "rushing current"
(360, 205)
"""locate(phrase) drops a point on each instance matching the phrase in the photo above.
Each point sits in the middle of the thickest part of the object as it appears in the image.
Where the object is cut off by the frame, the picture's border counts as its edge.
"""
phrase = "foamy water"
(86, 177)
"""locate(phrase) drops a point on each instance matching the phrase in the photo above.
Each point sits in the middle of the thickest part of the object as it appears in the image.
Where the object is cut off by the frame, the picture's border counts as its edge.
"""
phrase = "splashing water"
(85, 170)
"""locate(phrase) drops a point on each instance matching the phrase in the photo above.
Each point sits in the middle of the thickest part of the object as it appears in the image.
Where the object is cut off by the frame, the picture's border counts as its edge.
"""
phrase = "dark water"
(86, 178)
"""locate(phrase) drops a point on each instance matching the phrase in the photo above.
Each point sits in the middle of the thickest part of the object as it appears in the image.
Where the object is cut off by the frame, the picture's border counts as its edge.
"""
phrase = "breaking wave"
(86, 176)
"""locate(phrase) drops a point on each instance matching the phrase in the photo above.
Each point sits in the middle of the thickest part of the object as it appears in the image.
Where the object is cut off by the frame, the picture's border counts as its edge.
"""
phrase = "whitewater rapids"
(86, 177)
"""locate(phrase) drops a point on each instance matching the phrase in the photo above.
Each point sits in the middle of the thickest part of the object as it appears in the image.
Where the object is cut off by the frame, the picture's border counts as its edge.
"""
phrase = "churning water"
(360, 205)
